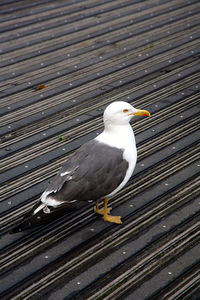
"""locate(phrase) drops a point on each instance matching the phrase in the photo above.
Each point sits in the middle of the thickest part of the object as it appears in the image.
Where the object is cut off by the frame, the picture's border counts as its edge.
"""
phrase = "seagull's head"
(120, 113)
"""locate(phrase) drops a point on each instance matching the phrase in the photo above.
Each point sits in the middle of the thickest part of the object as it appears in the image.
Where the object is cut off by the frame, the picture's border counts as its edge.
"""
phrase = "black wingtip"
(24, 225)
(16, 229)
(31, 220)
(27, 222)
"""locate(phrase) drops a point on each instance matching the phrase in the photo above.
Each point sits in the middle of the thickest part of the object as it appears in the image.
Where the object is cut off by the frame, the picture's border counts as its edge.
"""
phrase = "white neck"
(122, 137)
(119, 136)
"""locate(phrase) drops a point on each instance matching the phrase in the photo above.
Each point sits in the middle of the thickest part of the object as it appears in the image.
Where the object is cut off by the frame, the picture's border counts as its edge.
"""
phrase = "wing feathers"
(93, 171)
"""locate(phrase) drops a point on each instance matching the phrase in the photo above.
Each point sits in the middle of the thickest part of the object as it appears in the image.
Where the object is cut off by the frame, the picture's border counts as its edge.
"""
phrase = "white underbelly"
(121, 138)
(131, 157)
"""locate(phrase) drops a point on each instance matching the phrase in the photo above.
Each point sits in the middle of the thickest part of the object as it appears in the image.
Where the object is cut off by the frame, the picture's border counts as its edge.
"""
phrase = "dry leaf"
(87, 43)
(41, 86)
(148, 47)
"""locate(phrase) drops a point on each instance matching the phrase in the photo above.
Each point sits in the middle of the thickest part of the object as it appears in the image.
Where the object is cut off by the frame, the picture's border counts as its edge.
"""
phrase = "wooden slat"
(89, 54)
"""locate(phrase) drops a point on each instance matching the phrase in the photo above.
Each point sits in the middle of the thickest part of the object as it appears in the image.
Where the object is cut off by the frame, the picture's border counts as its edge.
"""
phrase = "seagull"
(96, 171)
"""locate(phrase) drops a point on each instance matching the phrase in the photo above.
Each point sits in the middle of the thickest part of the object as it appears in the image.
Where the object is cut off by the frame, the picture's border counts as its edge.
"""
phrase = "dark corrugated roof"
(88, 54)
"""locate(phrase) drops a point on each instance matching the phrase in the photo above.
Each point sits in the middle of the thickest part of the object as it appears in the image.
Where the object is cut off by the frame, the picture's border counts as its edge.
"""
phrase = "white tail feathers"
(41, 206)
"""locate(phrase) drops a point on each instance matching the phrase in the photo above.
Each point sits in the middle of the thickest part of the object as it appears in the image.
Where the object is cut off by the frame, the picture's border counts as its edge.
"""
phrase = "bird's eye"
(125, 110)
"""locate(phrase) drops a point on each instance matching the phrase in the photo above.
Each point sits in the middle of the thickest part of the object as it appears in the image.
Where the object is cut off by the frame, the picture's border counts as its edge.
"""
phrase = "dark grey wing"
(66, 173)
(93, 171)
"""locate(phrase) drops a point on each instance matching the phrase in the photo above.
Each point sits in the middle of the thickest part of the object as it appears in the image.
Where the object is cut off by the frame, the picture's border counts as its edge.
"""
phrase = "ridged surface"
(88, 54)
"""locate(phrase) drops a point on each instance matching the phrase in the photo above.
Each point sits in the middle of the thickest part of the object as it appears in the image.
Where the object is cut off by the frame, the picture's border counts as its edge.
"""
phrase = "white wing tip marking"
(65, 173)
(42, 205)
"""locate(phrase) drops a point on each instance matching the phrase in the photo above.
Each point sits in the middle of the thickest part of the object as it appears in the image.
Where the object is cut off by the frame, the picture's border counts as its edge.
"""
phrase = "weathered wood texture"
(61, 63)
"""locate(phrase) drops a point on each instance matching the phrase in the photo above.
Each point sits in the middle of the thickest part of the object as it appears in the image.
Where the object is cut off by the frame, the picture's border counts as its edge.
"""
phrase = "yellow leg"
(107, 218)
(100, 211)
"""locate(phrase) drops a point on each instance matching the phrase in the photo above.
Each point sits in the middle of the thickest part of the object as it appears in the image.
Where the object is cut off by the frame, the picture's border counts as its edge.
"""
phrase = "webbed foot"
(112, 219)
(101, 211)
(105, 213)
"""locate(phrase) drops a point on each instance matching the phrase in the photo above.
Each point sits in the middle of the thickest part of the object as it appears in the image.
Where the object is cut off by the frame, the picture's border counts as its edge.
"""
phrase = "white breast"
(121, 137)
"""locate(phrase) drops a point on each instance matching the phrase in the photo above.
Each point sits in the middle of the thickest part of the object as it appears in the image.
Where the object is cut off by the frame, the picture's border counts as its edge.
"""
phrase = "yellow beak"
(143, 113)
